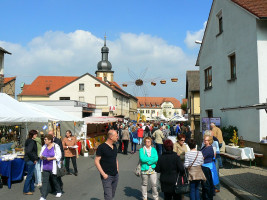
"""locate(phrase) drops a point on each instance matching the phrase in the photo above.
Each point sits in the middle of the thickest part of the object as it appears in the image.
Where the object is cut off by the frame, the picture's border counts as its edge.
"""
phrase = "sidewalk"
(245, 182)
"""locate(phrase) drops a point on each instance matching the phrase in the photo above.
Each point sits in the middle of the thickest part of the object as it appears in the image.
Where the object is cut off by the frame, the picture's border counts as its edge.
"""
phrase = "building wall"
(262, 72)
(109, 75)
(1, 63)
(122, 105)
(133, 109)
(32, 98)
(9, 88)
(239, 36)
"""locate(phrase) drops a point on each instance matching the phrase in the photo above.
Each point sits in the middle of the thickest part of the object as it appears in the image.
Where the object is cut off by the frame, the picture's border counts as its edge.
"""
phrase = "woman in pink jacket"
(140, 134)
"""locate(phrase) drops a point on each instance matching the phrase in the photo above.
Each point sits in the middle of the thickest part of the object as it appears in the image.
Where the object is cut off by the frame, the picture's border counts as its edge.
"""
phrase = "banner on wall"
(206, 123)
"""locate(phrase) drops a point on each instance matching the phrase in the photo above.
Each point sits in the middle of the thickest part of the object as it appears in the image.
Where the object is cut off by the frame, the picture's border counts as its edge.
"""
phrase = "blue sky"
(67, 35)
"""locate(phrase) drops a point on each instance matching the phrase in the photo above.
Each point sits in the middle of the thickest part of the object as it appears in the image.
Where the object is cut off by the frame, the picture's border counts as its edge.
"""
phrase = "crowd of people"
(43, 160)
(159, 155)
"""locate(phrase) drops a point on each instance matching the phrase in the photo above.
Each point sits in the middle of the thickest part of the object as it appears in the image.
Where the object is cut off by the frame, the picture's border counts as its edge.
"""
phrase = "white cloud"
(75, 53)
(191, 37)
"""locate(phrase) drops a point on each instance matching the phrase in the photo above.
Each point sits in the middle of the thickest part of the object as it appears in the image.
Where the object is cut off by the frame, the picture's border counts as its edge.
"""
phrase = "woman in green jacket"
(148, 159)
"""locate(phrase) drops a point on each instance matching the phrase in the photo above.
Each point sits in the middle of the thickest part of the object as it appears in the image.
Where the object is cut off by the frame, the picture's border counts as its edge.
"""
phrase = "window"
(81, 87)
(64, 98)
(142, 111)
(142, 105)
(209, 113)
(170, 113)
(147, 105)
(147, 111)
(232, 66)
(152, 111)
(208, 78)
(220, 22)
(101, 100)
(81, 99)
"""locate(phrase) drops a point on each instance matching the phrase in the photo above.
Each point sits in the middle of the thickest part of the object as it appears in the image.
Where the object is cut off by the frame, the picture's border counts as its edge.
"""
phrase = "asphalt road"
(87, 184)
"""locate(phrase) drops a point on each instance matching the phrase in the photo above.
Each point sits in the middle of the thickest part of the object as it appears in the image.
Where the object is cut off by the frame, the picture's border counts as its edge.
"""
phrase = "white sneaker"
(42, 198)
(58, 194)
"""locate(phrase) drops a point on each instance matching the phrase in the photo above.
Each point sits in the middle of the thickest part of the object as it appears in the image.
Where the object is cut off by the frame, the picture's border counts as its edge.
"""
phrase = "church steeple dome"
(104, 66)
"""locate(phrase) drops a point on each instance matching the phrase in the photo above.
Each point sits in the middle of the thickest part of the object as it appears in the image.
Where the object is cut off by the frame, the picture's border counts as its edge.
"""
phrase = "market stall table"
(13, 169)
(245, 153)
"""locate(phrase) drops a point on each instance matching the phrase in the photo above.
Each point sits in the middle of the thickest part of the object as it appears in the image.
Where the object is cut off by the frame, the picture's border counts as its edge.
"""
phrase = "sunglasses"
(182, 140)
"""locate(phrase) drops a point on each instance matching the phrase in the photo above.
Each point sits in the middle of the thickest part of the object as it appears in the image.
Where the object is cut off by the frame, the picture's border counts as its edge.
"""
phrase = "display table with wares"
(12, 168)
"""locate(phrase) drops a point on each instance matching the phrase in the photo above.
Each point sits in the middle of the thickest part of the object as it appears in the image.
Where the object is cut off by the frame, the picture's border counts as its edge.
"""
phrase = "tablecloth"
(245, 153)
(13, 169)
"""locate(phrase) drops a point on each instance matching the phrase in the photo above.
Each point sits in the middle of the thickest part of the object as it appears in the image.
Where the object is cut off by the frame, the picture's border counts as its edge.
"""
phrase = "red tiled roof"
(8, 79)
(43, 85)
(256, 7)
(157, 101)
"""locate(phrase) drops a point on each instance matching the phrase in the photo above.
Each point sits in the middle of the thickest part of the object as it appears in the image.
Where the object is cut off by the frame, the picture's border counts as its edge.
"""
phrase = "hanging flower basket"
(124, 85)
(174, 79)
(163, 81)
(153, 83)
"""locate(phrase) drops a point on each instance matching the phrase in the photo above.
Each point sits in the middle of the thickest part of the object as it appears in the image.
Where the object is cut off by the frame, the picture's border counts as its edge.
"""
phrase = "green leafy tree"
(184, 107)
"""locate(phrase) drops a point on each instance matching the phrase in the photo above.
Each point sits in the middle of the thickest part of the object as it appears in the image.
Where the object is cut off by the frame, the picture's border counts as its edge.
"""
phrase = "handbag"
(60, 171)
(182, 185)
(137, 170)
(195, 173)
(135, 140)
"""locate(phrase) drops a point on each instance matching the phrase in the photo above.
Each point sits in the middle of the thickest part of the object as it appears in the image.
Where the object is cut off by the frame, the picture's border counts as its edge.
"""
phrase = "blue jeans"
(194, 190)
(133, 147)
(220, 159)
(159, 148)
(37, 173)
(29, 182)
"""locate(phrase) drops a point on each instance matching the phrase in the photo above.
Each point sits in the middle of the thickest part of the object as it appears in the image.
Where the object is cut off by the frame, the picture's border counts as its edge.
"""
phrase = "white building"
(155, 107)
(233, 65)
(100, 91)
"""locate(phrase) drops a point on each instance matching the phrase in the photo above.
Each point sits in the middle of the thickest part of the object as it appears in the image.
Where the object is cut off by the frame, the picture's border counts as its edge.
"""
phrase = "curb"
(240, 192)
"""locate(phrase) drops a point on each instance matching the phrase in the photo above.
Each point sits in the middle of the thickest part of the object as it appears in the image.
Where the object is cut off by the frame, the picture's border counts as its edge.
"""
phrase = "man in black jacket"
(59, 142)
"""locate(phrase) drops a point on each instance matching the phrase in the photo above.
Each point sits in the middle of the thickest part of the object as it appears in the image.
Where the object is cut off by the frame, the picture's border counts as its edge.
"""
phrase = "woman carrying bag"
(148, 159)
(193, 161)
(169, 166)
(50, 155)
(134, 140)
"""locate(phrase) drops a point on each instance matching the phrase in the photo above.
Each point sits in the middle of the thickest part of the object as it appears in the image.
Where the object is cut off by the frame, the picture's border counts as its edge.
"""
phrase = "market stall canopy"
(179, 119)
(12, 111)
(52, 113)
(101, 120)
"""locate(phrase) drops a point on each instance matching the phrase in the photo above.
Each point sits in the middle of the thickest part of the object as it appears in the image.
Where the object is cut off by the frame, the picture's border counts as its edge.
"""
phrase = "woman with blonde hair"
(148, 158)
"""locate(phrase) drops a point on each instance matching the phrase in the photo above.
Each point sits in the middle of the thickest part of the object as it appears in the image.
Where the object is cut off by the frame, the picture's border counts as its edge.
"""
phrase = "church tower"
(104, 66)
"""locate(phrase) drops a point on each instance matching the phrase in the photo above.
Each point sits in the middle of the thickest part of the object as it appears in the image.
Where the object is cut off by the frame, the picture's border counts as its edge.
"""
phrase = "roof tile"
(43, 85)
(256, 7)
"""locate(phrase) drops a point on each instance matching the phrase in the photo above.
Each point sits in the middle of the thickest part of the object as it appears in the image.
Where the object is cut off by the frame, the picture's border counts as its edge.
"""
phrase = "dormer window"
(142, 105)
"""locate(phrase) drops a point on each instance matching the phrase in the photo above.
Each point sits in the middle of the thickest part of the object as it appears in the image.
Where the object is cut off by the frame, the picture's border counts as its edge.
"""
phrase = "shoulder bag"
(196, 173)
(60, 171)
(182, 185)
(137, 170)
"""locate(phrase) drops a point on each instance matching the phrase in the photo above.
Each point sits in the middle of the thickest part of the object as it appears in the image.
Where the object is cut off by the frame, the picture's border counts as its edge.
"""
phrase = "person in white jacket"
(50, 155)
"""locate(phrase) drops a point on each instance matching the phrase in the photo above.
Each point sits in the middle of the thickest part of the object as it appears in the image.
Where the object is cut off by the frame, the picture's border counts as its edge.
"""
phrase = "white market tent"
(32, 116)
(179, 119)
(53, 114)
(14, 112)
(101, 120)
